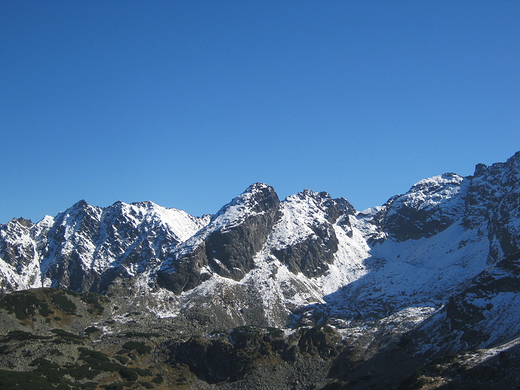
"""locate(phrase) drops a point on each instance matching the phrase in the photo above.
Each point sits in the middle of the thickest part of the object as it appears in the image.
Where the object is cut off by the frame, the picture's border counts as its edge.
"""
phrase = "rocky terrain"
(300, 293)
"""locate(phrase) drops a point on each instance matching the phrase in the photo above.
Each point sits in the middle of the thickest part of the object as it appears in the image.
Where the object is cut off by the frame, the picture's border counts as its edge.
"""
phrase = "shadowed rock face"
(230, 252)
(227, 249)
(428, 208)
(485, 312)
(312, 254)
(494, 198)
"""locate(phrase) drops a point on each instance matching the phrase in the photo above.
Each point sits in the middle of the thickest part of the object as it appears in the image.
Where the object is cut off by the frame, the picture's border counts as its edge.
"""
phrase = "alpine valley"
(301, 293)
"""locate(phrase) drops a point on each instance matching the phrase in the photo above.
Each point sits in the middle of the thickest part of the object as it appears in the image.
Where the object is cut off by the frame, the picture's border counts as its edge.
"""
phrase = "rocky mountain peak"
(304, 238)
(435, 270)
(228, 244)
(430, 206)
(23, 222)
(257, 198)
(512, 164)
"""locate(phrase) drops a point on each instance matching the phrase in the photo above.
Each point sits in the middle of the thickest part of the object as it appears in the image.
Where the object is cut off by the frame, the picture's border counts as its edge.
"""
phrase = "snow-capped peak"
(299, 212)
(252, 201)
(430, 193)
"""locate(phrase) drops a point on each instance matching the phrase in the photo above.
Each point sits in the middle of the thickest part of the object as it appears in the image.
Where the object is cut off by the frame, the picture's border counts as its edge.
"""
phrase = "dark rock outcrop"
(228, 244)
(230, 250)
(312, 254)
(428, 208)
(494, 199)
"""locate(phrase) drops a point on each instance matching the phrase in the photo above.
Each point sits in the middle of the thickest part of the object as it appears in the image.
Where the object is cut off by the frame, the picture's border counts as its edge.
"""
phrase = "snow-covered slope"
(20, 257)
(306, 259)
(86, 247)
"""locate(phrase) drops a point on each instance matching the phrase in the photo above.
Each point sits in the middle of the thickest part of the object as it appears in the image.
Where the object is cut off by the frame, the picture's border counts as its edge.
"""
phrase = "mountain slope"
(432, 271)
(86, 247)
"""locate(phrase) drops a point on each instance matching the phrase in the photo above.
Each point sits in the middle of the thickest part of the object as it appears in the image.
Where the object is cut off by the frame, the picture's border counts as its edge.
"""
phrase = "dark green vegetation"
(227, 357)
(50, 303)
(57, 339)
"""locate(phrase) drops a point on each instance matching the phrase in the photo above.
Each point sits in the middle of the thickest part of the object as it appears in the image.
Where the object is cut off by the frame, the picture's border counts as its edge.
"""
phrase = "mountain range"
(397, 296)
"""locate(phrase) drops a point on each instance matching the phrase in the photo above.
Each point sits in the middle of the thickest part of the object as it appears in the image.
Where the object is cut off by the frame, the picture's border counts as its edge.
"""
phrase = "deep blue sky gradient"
(186, 103)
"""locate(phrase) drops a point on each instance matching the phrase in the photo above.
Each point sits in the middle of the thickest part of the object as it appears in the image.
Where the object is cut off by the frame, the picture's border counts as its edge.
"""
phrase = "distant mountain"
(431, 272)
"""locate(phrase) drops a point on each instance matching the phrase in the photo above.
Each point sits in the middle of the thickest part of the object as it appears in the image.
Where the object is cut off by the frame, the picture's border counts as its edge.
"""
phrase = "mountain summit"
(431, 272)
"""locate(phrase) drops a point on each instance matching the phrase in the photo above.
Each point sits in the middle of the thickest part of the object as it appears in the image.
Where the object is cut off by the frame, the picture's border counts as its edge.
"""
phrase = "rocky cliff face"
(227, 245)
(493, 201)
(432, 271)
(20, 252)
(85, 248)
(428, 208)
(312, 250)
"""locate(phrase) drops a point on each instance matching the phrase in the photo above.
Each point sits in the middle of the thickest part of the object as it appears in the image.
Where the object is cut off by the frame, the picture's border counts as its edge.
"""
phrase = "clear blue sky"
(186, 103)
